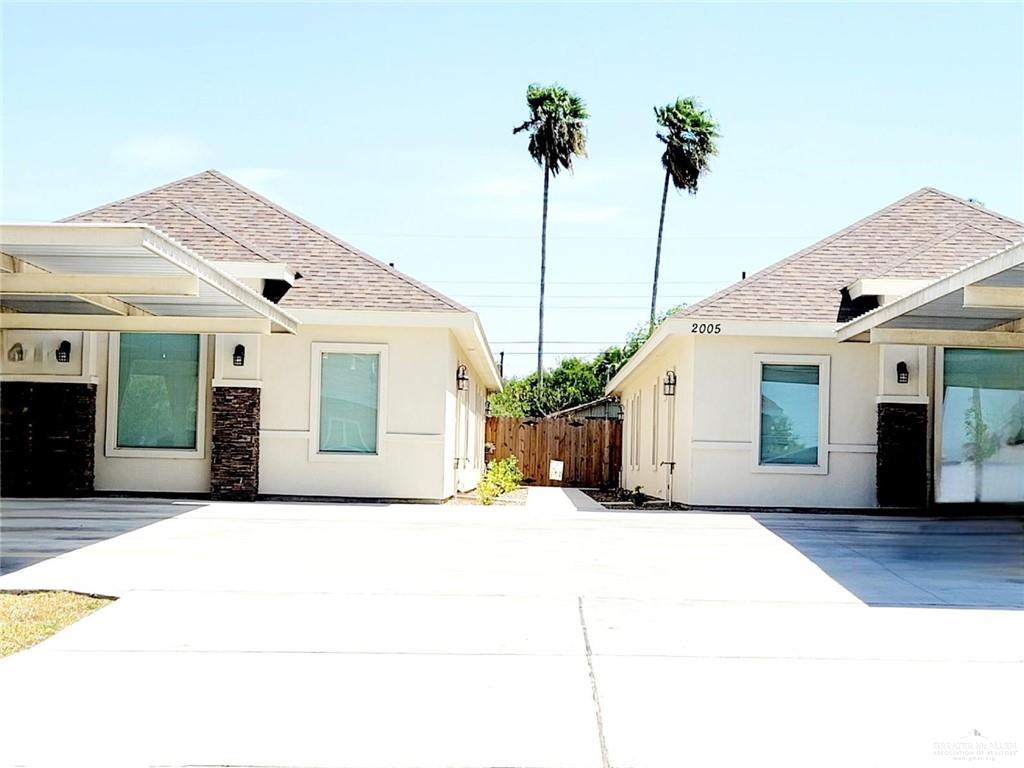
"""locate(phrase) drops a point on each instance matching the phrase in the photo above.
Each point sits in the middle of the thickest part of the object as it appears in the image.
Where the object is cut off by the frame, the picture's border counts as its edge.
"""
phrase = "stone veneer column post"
(901, 472)
(235, 457)
(235, 427)
(47, 438)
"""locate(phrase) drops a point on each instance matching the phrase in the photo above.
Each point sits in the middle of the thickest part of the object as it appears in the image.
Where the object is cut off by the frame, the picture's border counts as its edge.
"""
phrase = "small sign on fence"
(555, 470)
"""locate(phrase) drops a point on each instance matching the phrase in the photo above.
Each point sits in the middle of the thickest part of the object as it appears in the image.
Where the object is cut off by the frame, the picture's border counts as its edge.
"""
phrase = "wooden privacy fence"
(590, 449)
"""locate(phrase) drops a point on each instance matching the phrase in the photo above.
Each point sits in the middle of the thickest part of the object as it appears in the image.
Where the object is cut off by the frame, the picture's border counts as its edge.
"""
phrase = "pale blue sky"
(390, 125)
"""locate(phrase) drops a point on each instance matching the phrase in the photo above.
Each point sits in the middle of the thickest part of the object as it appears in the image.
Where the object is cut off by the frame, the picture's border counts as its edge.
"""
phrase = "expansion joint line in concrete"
(593, 686)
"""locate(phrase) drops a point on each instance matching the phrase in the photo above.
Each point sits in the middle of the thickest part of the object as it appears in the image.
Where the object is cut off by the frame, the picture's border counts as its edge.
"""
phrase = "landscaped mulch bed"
(610, 499)
(27, 618)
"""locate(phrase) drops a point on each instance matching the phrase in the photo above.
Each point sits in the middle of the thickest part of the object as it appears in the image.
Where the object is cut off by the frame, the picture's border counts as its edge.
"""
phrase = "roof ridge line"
(212, 222)
(771, 268)
(337, 241)
(960, 227)
(133, 197)
(209, 221)
(904, 257)
(976, 207)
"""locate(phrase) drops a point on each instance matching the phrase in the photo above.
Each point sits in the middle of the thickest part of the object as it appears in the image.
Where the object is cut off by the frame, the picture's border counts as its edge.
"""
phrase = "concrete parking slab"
(359, 635)
(33, 530)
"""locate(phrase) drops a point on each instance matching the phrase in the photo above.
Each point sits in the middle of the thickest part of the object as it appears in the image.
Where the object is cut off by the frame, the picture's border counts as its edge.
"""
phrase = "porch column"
(235, 456)
(902, 467)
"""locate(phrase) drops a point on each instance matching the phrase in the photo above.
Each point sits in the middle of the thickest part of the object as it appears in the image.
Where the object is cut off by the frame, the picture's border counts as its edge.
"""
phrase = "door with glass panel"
(982, 434)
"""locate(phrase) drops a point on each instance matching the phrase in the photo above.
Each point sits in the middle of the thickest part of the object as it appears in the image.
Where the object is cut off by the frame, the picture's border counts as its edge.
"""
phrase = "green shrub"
(501, 477)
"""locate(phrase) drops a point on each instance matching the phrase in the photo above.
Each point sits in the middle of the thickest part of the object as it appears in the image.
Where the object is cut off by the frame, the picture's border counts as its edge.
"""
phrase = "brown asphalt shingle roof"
(218, 218)
(926, 235)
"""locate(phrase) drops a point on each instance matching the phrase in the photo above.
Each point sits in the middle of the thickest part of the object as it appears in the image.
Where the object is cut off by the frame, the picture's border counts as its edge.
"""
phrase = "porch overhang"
(982, 305)
(122, 277)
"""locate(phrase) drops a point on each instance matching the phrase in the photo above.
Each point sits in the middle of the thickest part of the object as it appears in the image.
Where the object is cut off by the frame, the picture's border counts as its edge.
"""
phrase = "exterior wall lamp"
(669, 385)
(238, 358)
(902, 373)
(64, 352)
(16, 353)
(461, 378)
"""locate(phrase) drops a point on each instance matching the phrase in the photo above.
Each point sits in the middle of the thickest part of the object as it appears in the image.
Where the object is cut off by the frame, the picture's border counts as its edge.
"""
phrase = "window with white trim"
(349, 386)
(156, 395)
(791, 413)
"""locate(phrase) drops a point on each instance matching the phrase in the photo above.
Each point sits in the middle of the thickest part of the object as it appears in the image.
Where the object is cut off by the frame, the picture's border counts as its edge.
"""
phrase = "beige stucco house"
(882, 366)
(198, 338)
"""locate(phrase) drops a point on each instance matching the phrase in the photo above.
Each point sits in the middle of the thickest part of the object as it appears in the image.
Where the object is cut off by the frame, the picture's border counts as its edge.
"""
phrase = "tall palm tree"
(689, 134)
(557, 134)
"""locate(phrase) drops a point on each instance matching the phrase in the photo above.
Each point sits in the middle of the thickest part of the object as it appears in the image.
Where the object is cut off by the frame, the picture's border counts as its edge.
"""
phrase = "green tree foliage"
(572, 382)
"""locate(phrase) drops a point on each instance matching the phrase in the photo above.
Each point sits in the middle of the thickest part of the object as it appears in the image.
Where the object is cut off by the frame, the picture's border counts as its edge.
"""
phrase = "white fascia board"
(158, 243)
(1007, 258)
(712, 327)
(662, 332)
(993, 297)
(465, 325)
(884, 286)
(62, 283)
(264, 270)
(484, 358)
(133, 323)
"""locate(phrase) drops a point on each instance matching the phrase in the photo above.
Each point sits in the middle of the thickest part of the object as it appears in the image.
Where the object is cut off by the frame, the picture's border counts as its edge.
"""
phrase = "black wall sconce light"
(461, 378)
(64, 352)
(669, 385)
(902, 373)
(16, 353)
(238, 358)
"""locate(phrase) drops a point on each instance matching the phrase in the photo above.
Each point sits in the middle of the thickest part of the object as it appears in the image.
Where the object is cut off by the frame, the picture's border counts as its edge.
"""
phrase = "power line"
(580, 282)
(463, 236)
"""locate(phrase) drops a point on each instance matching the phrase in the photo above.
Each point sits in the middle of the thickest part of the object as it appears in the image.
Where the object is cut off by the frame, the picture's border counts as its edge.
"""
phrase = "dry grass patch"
(27, 618)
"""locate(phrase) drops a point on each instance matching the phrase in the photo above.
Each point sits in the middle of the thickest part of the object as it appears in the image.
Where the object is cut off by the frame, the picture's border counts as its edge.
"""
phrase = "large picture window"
(349, 387)
(791, 406)
(982, 426)
(158, 390)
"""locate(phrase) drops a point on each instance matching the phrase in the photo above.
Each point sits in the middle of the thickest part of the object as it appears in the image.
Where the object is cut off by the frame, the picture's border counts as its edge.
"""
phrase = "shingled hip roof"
(925, 236)
(219, 219)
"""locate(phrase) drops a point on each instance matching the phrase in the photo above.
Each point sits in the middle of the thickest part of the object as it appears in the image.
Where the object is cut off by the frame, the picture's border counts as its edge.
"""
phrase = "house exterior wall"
(656, 428)
(465, 422)
(415, 389)
(151, 474)
(425, 421)
(711, 423)
(723, 463)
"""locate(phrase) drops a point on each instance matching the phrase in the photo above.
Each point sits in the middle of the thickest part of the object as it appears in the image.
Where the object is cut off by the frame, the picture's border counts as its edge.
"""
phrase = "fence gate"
(590, 449)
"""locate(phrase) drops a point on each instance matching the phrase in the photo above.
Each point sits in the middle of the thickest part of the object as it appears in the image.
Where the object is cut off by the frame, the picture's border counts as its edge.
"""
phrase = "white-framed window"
(156, 395)
(346, 396)
(790, 409)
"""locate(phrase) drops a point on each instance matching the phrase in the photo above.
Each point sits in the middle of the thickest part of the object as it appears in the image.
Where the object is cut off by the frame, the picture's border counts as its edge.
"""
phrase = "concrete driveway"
(343, 635)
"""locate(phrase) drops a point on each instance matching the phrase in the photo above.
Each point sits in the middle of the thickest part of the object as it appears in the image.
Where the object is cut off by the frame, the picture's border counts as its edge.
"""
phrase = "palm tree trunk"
(657, 253)
(543, 268)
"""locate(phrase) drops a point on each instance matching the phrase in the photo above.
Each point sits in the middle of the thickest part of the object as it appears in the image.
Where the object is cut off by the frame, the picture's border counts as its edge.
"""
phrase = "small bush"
(501, 477)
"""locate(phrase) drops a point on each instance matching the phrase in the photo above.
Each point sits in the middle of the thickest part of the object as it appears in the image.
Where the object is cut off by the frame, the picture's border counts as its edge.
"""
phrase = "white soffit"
(941, 305)
(129, 249)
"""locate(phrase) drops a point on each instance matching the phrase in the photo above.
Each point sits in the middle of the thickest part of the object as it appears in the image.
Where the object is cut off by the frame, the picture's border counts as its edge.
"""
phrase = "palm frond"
(689, 137)
(557, 126)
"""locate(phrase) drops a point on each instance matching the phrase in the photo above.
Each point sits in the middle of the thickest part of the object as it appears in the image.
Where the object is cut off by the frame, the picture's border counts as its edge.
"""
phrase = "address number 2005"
(706, 328)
